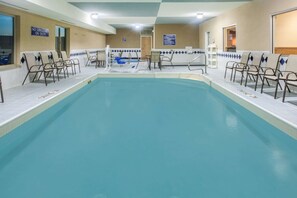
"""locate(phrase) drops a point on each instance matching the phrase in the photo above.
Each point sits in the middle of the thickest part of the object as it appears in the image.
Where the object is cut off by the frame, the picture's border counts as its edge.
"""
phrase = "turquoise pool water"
(147, 138)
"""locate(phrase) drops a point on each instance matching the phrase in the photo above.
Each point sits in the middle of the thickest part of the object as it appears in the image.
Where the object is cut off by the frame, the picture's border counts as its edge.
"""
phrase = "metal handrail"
(194, 59)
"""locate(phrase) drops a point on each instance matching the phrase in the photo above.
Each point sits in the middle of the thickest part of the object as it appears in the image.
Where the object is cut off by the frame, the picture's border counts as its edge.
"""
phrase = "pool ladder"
(201, 65)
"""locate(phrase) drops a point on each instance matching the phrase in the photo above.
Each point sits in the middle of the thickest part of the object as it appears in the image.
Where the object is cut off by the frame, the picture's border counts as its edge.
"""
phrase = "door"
(146, 46)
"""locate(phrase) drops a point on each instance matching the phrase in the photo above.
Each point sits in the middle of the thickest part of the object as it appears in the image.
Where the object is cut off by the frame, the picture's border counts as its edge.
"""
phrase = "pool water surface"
(147, 138)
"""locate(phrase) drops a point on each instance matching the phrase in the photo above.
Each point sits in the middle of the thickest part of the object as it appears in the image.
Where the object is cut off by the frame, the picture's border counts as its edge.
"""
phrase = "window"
(60, 39)
(6, 40)
(284, 33)
(230, 39)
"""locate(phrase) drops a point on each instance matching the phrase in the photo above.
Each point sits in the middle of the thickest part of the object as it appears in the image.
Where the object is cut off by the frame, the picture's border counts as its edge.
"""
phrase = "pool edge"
(274, 120)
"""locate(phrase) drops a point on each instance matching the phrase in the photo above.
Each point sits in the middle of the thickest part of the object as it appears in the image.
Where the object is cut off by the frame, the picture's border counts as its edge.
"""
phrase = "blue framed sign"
(169, 39)
(36, 31)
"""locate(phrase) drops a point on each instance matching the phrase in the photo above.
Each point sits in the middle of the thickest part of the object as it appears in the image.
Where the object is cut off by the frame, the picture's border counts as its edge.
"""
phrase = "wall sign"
(169, 39)
(36, 31)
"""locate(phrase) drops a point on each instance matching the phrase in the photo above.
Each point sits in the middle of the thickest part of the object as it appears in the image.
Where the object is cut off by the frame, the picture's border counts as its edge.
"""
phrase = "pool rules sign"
(36, 31)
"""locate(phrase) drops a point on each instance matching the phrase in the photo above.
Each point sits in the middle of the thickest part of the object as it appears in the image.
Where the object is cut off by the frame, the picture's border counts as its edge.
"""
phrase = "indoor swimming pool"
(147, 138)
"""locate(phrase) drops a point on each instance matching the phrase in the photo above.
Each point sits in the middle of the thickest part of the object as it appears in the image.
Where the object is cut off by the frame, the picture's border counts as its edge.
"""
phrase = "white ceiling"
(120, 13)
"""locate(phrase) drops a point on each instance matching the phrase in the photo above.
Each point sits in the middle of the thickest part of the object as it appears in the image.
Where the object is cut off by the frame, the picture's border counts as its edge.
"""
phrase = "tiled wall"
(180, 57)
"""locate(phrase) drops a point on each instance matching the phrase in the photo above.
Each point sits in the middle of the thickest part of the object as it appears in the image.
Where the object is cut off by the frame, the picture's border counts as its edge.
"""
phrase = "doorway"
(146, 46)
(229, 34)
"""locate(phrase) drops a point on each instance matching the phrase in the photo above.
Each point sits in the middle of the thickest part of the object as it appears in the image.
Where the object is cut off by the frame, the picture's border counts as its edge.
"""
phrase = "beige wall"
(252, 24)
(286, 30)
(116, 41)
(79, 38)
(186, 35)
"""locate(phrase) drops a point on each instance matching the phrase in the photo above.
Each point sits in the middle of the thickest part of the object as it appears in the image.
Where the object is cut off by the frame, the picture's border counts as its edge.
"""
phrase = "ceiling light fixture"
(94, 15)
(199, 15)
(137, 27)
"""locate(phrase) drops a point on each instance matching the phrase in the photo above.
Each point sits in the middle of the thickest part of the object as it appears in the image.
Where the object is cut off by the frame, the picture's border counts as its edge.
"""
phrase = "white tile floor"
(23, 98)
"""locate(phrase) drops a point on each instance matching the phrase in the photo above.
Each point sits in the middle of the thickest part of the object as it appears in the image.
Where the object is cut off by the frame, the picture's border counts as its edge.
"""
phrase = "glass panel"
(60, 39)
(6, 39)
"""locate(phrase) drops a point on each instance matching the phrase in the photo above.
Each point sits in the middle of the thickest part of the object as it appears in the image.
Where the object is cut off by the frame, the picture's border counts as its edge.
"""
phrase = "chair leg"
(275, 93)
(45, 78)
(257, 78)
(225, 72)
(53, 76)
(232, 70)
(262, 84)
(57, 72)
(25, 78)
(241, 77)
(284, 94)
(246, 79)
(234, 75)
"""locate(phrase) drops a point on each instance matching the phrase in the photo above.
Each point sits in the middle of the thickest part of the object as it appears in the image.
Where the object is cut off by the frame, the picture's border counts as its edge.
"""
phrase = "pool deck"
(24, 99)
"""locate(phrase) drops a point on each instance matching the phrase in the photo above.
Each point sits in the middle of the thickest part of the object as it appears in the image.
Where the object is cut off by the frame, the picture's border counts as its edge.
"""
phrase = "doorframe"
(223, 35)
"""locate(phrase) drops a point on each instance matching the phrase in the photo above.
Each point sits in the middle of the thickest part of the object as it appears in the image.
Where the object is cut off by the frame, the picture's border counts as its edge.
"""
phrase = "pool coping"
(273, 119)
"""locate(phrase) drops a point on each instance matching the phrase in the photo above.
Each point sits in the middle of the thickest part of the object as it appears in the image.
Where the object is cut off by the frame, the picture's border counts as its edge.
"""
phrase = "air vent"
(15, 6)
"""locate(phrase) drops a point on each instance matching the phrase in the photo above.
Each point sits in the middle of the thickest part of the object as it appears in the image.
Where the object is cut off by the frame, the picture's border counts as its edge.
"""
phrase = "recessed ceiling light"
(94, 15)
(199, 15)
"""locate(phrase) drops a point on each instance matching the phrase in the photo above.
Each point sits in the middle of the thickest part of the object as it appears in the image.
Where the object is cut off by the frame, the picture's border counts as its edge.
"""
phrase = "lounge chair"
(101, 58)
(168, 58)
(272, 73)
(272, 63)
(37, 69)
(291, 77)
(90, 59)
(155, 58)
(74, 61)
(252, 70)
(291, 80)
(56, 62)
(232, 64)
(61, 64)
(241, 67)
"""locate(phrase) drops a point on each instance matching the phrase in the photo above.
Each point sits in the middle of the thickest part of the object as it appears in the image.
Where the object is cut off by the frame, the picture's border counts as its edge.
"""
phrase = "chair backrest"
(44, 57)
(272, 62)
(257, 59)
(30, 60)
(155, 56)
(292, 63)
(64, 55)
(245, 57)
(55, 56)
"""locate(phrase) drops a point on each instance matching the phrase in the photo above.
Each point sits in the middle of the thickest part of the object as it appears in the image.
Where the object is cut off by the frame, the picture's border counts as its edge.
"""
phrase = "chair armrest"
(291, 76)
(269, 69)
(231, 63)
(48, 66)
(35, 66)
(236, 65)
(256, 67)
